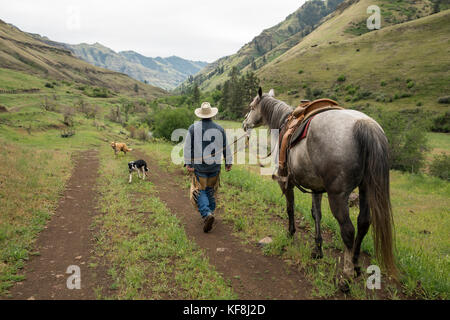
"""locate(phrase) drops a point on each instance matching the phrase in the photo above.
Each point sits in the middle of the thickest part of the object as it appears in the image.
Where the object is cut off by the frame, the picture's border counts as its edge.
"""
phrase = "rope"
(220, 150)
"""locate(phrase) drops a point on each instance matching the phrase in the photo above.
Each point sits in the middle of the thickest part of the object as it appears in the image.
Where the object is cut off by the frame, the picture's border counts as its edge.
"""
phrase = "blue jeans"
(206, 201)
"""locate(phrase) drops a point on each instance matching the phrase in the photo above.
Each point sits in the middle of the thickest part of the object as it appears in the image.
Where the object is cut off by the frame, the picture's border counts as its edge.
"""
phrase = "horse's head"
(254, 117)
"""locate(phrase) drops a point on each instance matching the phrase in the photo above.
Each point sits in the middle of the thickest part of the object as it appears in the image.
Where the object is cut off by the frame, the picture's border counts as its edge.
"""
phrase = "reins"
(221, 150)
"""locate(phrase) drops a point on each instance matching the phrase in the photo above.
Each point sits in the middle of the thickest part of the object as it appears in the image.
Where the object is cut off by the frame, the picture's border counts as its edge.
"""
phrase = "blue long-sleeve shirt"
(205, 144)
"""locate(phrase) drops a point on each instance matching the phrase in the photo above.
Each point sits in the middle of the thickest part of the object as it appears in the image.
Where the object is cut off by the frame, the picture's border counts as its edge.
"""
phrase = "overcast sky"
(198, 29)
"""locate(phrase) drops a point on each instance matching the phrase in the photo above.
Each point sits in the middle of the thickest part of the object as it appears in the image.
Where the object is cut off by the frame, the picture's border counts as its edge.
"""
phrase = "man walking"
(205, 144)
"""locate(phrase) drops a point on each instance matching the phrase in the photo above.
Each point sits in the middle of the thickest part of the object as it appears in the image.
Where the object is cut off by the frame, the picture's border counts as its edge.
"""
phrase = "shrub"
(68, 113)
(440, 166)
(115, 115)
(383, 83)
(300, 71)
(142, 134)
(341, 78)
(132, 131)
(87, 109)
(444, 100)
(407, 139)
(441, 123)
(410, 84)
(317, 93)
(49, 104)
(168, 120)
(49, 85)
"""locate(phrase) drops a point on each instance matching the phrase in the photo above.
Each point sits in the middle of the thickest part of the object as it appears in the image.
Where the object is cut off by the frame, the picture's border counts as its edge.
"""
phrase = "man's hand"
(228, 167)
(190, 169)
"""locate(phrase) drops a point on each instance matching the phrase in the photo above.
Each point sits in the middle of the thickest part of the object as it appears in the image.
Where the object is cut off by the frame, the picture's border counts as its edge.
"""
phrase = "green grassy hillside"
(269, 44)
(22, 52)
(407, 62)
(316, 23)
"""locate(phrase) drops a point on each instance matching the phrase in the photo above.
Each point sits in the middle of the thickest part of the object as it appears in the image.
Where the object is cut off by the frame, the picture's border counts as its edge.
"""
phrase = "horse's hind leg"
(339, 208)
(363, 226)
(316, 211)
(290, 201)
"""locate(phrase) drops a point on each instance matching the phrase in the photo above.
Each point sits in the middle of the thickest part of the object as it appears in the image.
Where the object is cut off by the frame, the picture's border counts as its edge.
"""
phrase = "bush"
(317, 93)
(407, 139)
(87, 109)
(168, 120)
(115, 115)
(49, 85)
(441, 123)
(48, 104)
(440, 167)
(341, 78)
(68, 113)
(142, 134)
(132, 131)
(444, 100)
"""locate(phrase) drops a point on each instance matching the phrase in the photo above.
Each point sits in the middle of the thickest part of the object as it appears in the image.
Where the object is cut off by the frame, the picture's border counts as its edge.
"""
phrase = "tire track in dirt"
(66, 240)
(252, 275)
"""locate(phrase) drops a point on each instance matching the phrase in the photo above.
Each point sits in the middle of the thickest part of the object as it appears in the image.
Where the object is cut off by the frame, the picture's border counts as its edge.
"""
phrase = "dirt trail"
(66, 240)
(253, 275)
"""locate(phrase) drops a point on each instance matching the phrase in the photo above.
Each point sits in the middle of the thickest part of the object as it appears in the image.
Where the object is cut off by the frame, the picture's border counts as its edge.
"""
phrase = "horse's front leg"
(290, 201)
(316, 211)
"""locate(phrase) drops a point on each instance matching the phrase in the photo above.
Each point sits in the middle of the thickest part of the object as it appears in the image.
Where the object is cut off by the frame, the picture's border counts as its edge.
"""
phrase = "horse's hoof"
(317, 254)
(344, 285)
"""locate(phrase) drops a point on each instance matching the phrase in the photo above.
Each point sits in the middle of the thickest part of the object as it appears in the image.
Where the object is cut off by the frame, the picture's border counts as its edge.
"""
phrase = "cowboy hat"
(205, 111)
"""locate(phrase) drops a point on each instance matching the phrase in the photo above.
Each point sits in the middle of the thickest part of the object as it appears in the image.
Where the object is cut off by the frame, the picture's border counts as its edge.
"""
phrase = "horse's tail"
(374, 150)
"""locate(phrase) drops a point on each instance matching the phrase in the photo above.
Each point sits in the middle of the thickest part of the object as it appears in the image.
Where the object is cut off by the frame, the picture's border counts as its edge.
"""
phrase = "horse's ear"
(272, 93)
(260, 92)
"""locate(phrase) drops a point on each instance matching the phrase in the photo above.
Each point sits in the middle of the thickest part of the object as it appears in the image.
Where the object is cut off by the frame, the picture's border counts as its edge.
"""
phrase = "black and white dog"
(138, 166)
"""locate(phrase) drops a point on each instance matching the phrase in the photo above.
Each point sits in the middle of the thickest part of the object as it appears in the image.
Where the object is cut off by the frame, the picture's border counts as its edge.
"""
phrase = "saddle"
(296, 128)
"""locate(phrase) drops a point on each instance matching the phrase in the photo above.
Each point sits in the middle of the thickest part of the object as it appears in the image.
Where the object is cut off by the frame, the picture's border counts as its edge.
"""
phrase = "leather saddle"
(296, 126)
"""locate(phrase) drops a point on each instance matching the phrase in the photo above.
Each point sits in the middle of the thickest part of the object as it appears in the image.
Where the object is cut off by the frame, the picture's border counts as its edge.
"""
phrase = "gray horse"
(343, 149)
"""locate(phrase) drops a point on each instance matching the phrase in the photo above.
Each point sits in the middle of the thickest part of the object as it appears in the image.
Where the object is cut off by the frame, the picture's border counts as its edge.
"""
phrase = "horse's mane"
(274, 111)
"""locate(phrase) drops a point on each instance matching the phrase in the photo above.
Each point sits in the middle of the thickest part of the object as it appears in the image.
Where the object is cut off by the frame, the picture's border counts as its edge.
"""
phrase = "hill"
(403, 62)
(316, 23)
(268, 45)
(165, 73)
(26, 53)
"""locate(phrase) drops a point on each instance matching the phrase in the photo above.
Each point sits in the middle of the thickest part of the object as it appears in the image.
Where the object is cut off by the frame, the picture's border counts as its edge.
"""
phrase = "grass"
(368, 66)
(149, 254)
(34, 170)
(420, 205)
(31, 181)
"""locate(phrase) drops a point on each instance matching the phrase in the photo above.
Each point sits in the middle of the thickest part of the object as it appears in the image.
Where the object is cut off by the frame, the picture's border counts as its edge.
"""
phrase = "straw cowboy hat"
(205, 111)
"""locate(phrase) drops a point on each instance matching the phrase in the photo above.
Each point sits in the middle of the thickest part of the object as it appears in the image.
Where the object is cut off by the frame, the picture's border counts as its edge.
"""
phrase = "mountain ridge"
(165, 73)
(36, 55)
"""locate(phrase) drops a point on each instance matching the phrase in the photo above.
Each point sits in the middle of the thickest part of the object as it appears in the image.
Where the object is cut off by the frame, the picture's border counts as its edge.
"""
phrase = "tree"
(136, 88)
(196, 95)
(126, 107)
(237, 92)
(168, 120)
